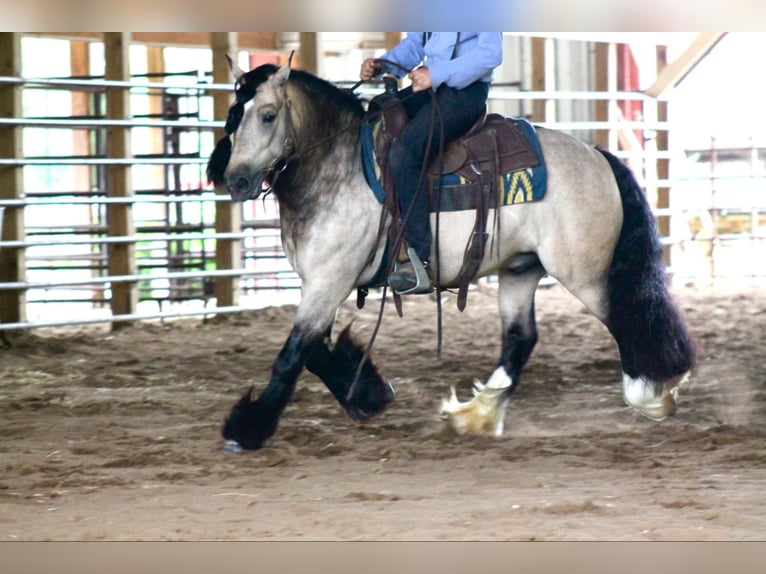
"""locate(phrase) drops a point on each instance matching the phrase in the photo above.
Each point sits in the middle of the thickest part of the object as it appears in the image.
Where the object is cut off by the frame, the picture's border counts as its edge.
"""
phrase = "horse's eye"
(268, 118)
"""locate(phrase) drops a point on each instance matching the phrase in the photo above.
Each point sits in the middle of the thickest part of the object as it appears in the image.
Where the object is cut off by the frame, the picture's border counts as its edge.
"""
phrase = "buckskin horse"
(298, 135)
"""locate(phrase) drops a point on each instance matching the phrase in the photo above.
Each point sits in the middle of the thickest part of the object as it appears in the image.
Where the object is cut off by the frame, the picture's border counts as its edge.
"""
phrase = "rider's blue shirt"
(477, 55)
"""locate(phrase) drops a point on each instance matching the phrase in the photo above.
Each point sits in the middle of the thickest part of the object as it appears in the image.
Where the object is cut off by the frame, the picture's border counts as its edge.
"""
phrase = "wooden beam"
(122, 259)
(672, 74)
(12, 260)
(245, 40)
(228, 215)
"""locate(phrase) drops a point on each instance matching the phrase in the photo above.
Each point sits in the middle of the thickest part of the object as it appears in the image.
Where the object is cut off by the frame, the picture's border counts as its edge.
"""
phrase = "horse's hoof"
(373, 403)
(232, 447)
(658, 410)
(482, 415)
(641, 396)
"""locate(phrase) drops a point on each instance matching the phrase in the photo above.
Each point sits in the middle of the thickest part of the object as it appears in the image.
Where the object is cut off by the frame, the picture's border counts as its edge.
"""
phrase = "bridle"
(244, 90)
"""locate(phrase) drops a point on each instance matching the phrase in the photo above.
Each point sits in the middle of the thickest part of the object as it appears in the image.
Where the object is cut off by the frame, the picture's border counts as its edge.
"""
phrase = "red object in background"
(627, 80)
(260, 58)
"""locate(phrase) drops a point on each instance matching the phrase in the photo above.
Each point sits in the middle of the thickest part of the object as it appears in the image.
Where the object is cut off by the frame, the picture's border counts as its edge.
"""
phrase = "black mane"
(331, 103)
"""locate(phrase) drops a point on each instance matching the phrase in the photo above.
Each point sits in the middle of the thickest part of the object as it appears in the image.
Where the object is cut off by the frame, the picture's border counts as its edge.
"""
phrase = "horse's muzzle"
(243, 186)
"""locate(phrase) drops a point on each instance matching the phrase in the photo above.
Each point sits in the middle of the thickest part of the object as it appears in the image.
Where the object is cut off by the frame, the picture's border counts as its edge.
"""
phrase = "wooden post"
(601, 69)
(309, 51)
(392, 39)
(155, 64)
(84, 175)
(228, 215)
(80, 66)
(122, 256)
(663, 163)
(12, 259)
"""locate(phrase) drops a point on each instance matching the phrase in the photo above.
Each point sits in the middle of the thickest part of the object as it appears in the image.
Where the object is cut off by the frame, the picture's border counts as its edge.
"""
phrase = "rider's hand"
(370, 68)
(421, 79)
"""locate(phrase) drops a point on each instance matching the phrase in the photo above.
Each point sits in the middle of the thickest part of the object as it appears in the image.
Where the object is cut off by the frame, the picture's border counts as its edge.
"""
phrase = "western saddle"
(492, 147)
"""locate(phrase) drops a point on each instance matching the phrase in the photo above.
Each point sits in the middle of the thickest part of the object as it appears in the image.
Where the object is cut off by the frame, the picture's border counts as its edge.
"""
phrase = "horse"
(297, 135)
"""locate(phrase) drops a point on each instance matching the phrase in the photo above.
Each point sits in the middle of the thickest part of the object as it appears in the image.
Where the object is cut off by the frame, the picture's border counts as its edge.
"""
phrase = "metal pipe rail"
(134, 278)
(209, 197)
(123, 239)
(73, 124)
(23, 162)
(122, 318)
(75, 83)
(212, 124)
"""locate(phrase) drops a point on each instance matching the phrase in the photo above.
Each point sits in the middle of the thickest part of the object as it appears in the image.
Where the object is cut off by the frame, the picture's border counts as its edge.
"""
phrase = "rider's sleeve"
(475, 60)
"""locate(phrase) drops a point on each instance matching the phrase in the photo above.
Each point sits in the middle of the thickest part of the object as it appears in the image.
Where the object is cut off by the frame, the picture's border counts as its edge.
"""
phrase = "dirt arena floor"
(115, 436)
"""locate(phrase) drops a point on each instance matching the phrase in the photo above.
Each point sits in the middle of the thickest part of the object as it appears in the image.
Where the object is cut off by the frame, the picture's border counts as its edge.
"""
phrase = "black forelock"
(247, 83)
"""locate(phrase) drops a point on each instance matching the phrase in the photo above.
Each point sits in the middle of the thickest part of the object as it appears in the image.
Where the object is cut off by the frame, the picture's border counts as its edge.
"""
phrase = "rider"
(457, 67)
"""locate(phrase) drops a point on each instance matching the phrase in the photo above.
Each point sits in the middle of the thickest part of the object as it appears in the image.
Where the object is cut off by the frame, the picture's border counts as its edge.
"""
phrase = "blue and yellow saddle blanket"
(521, 186)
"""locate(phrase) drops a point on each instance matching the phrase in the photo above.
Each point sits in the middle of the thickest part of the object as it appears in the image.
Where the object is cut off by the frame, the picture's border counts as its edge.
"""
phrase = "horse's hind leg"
(641, 341)
(644, 324)
(485, 413)
(656, 348)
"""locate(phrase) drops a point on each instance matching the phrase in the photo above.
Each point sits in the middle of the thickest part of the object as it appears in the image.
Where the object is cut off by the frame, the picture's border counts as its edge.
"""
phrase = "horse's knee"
(655, 400)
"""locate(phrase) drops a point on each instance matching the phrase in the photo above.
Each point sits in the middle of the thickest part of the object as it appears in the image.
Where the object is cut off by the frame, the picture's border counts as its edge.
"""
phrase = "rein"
(435, 111)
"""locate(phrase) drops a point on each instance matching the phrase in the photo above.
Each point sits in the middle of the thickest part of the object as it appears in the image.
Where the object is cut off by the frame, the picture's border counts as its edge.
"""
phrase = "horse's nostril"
(239, 185)
(242, 183)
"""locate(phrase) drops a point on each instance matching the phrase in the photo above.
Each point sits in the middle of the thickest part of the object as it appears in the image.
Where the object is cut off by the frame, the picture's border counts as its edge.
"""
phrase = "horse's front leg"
(342, 366)
(251, 422)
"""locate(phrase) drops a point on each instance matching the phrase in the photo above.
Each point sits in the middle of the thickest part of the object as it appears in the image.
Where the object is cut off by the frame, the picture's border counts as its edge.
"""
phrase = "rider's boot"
(413, 276)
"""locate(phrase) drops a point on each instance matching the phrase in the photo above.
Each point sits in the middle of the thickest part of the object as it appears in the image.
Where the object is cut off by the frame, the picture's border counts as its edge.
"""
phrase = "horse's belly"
(504, 239)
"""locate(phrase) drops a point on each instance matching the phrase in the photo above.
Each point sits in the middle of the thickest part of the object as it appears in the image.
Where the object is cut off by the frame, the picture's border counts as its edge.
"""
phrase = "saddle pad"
(367, 133)
(457, 193)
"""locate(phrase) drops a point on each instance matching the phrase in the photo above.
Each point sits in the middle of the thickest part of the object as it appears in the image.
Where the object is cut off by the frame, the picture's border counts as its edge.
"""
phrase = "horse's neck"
(327, 170)
(328, 196)
(326, 159)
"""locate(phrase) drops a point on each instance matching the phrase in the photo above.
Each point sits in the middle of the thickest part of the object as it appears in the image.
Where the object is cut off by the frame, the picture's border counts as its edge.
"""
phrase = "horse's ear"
(234, 67)
(284, 72)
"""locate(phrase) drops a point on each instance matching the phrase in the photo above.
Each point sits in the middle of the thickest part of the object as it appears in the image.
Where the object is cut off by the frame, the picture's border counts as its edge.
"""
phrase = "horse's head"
(260, 128)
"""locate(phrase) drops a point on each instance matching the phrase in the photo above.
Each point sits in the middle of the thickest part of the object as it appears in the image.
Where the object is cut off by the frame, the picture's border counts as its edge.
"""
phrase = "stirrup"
(422, 280)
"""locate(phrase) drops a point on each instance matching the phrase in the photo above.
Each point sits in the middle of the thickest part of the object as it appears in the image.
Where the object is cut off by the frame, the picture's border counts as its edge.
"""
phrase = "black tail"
(651, 334)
